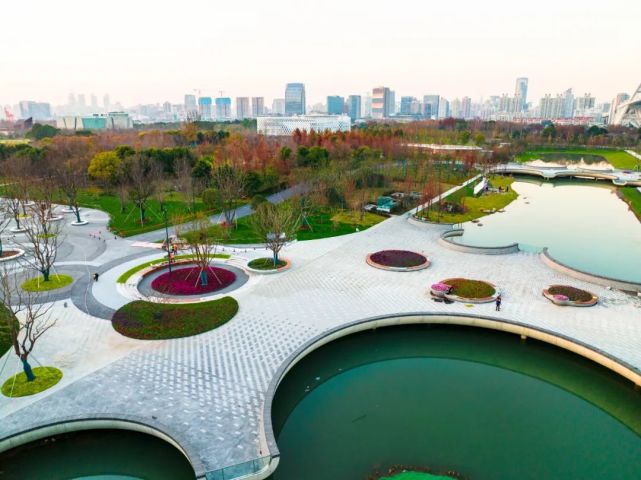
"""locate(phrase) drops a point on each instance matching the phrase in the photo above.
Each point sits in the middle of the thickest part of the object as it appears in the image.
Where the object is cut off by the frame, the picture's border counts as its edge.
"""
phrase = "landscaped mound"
(266, 264)
(464, 289)
(18, 386)
(186, 281)
(398, 259)
(570, 296)
(38, 284)
(160, 321)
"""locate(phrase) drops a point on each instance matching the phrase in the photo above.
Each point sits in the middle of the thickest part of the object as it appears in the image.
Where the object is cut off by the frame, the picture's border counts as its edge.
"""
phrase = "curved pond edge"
(445, 241)
(98, 422)
(492, 323)
(419, 221)
(587, 276)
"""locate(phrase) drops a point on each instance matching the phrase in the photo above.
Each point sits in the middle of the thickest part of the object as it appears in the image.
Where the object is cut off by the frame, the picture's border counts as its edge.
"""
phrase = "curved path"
(207, 392)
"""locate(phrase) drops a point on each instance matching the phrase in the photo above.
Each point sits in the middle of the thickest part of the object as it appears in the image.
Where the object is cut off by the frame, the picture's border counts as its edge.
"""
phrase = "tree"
(203, 242)
(143, 175)
(39, 131)
(5, 220)
(71, 177)
(104, 167)
(275, 225)
(230, 185)
(479, 139)
(186, 183)
(28, 318)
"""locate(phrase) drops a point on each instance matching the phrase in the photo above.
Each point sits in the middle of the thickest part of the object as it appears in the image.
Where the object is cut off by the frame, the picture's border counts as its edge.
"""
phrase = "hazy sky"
(147, 51)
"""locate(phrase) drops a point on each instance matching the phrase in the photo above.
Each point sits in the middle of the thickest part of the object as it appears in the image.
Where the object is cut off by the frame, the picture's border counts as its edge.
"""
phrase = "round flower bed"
(564, 295)
(398, 260)
(186, 281)
(464, 290)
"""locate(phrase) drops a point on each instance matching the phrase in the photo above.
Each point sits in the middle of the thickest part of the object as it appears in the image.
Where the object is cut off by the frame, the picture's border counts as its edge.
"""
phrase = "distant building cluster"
(286, 125)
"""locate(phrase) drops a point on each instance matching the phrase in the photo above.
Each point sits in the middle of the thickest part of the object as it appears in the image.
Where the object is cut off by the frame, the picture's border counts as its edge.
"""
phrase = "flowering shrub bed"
(398, 258)
(564, 295)
(472, 289)
(186, 281)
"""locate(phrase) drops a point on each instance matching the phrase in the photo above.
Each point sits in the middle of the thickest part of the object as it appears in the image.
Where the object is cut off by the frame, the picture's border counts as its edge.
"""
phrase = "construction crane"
(8, 115)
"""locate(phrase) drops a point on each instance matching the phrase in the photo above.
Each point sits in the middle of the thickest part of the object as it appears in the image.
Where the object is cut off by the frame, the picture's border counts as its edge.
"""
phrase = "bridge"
(619, 178)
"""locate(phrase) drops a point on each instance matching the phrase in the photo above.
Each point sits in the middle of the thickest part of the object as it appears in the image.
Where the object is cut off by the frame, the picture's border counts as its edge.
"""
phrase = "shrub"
(573, 294)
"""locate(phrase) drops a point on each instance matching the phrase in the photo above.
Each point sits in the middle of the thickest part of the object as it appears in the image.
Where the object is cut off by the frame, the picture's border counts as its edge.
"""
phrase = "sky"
(151, 51)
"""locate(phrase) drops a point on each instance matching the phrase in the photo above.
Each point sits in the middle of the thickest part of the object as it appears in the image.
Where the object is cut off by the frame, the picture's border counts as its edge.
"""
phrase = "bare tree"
(5, 220)
(186, 184)
(72, 177)
(276, 225)
(27, 316)
(143, 174)
(201, 238)
(230, 186)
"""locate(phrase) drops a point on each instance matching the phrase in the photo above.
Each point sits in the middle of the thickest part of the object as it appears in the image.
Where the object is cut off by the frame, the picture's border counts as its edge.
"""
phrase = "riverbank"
(631, 196)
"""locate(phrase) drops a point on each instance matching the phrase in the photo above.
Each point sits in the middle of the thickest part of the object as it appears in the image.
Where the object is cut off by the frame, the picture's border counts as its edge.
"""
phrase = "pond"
(583, 224)
(481, 403)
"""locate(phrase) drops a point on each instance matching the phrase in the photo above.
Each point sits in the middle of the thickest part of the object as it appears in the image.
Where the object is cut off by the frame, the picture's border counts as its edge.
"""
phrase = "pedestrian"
(95, 277)
(498, 303)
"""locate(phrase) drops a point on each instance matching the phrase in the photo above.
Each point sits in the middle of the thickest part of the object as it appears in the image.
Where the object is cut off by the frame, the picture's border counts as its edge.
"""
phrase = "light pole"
(163, 209)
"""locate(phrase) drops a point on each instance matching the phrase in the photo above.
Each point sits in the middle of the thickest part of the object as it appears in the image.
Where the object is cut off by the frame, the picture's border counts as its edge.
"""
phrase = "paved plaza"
(207, 391)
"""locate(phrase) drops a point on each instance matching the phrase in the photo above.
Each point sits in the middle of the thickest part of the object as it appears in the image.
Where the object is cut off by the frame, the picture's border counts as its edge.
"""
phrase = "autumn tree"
(229, 183)
(276, 225)
(142, 176)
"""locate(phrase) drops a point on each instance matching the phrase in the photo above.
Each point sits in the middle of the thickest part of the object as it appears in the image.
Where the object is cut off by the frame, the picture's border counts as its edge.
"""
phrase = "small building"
(385, 204)
(285, 126)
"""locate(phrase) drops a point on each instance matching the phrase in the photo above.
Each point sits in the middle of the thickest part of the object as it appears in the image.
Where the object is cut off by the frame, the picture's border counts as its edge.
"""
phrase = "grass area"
(632, 197)
(5, 336)
(265, 264)
(416, 476)
(475, 206)
(125, 276)
(617, 158)
(160, 321)
(18, 386)
(466, 288)
(38, 284)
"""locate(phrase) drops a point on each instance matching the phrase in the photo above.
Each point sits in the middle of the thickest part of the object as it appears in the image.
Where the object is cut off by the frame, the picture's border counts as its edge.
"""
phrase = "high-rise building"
(258, 106)
(443, 108)
(391, 103)
(278, 106)
(354, 107)
(106, 102)
(410, 106)
(242, 108)
(568, 103)
(455, 108)
(204, 108)
(223, 108)
(82, 102)
(366, 105)
(381, 102)
(190, 102)
(295, 99)
(94, 102)
(521, 91)
(430, 106)
(466, 107)
(36, 110)
(335, 105)
(618, 100)
(583, 105)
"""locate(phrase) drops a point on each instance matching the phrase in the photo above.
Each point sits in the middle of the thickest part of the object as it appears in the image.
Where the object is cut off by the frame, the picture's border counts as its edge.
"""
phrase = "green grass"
(39, 285)
(265, 264)
(632, 197)
(475, 206)
(125, 276)
(46, 377)
(161, 321)
(416, 476)
(5, 335)
(466, 288)
(617, 158)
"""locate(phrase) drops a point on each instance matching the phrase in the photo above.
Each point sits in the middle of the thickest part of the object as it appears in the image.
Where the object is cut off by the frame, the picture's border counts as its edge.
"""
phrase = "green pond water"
(476, 402)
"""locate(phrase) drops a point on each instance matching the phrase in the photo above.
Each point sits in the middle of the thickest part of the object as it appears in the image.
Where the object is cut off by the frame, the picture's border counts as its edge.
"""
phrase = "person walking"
(498, 303)
(95, 277)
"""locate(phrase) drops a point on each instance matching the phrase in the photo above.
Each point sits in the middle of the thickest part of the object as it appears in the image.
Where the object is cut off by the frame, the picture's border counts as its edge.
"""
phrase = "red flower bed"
(186, 281)
(398, 258)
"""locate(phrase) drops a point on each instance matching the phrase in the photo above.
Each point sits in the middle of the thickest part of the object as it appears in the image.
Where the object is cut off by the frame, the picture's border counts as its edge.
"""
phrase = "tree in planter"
(202, 244)
(5, 220)
(14, 204)
(42, 240)
(229, 183)
(142, 175)
(71, 178)
(33, 318)
(275, 225)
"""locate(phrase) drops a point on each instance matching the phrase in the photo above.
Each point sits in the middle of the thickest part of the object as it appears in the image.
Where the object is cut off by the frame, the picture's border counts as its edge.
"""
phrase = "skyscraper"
(380, 102)
(223, 108)
(190, 102)
(410, 106)
(295, 99)
(242, 107)
(354, 107)
(443, 108)
(258, 106)
(391, 103)
(106, 102)
(466, 107)
(204, 107)
(278, 106)
(430, 106)
(335, 105)
(521, 92)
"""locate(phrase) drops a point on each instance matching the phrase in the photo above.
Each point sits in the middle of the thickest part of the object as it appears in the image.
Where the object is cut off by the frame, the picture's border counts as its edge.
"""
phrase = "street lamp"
(163, 209)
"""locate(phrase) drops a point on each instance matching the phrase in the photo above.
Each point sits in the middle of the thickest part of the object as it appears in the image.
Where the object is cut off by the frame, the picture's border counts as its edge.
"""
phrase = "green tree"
(464, 137)
(39, 131)
(104, 167)
(479, 139)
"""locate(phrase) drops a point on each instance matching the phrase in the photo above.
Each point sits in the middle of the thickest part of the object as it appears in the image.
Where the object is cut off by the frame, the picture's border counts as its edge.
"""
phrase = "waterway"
(477, 402)
(583, 224)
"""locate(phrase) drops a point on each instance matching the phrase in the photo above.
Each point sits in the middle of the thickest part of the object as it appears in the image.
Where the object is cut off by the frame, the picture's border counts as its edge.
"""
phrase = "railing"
(241, 470)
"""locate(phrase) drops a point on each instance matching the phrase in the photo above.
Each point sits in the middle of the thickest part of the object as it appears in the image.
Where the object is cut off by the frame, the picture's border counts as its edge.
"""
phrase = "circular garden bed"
(161, 321)
(566, 296)
(187, 281)
(398, 260)
(18, 386)
(464, 290)
(10, 254)
(55, 282)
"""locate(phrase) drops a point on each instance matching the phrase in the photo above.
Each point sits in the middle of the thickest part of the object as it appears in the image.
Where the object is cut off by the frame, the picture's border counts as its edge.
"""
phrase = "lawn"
(475, 206)
(39, 285)
(161, 321)
(46, 377)
(265, 264)
(466, 288)
(125, 276)
(632, 197)
(5, 336)
(617, 158)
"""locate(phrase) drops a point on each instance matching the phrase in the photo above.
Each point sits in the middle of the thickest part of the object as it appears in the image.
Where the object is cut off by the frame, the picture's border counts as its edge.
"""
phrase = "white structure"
(285, 126)
(628, 113)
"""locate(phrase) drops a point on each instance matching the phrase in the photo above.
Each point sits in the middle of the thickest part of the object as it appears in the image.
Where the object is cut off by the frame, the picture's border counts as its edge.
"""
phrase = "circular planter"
(79, 224)
(17, 253)
(186, 281)
(567, 296)
(67, 210)
(438, 290)
(57, 218)
(287, 266)
(398, 260)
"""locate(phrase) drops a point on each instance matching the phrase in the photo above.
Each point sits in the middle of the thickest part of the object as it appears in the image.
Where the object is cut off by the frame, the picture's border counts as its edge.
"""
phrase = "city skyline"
(475, 55)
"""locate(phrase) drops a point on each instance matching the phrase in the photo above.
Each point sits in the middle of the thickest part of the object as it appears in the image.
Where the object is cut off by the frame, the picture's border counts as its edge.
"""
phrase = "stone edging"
(569, 303)
(287, 266)
(418, 221)
(445, 241)
(557, 339)
(422, 266)
(587, 276)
